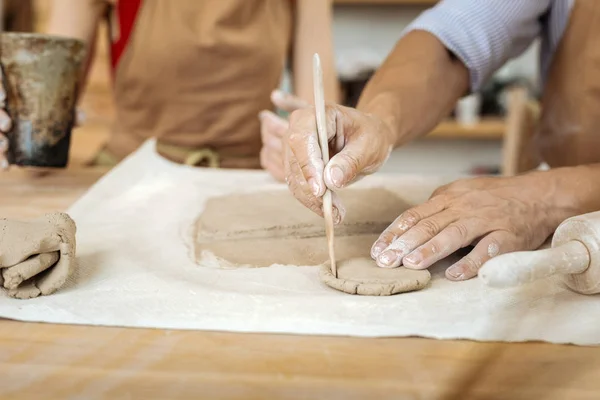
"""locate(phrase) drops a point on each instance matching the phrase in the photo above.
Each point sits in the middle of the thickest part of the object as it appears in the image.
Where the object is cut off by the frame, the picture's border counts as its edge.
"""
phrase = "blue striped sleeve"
(483, 34)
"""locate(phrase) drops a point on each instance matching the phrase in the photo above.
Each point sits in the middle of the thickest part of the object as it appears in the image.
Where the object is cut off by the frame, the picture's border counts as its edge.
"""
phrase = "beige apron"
(569, 128)
(195, 74)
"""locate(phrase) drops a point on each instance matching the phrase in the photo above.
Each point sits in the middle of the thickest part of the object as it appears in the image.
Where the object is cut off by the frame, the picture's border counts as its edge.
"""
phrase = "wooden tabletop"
(61, 361)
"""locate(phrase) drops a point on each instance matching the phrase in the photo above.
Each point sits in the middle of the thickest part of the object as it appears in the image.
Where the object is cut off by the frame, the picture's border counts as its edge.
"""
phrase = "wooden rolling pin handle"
(575, 255)
(513, 269)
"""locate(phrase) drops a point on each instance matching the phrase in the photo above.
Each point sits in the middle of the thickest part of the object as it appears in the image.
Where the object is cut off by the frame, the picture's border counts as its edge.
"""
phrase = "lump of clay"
(362, 276)
(36, 257)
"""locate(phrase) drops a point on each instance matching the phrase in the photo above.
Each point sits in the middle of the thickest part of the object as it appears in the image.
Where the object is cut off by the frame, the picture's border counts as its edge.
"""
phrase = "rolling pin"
(574, 255)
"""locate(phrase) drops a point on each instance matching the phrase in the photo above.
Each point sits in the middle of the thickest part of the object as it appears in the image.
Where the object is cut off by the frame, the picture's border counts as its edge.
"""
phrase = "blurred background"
(476, 139)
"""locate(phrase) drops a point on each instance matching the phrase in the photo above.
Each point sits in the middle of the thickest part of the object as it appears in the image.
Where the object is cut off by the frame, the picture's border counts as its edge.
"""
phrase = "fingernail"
(389, 259)
(3, 144)
(337, 176)
(377, 248)
(277, 95)
(314, 186)
(4, 163)
(455, 272)
(413, 258)
(81, 116)
(262, 115)
(337, 218)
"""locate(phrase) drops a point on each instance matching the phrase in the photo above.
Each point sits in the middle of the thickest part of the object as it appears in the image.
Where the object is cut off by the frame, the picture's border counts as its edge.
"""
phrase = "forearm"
(314, 35)
(416, 87)
(77, 19)
(573, 190)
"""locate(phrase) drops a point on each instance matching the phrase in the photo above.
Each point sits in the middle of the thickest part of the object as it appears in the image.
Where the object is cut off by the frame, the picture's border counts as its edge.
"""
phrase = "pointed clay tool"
(323, 143)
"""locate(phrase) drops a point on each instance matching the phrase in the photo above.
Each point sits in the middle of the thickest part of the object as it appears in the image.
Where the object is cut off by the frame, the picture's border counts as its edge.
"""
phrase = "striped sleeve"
(484, 34)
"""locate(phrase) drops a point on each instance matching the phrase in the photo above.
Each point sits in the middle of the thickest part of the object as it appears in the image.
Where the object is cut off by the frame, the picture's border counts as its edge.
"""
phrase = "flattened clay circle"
(362, 276)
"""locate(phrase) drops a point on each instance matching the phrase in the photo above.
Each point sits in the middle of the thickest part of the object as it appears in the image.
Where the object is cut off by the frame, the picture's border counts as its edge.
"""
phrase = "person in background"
(17, 15)
(449, 51)
(201, 76)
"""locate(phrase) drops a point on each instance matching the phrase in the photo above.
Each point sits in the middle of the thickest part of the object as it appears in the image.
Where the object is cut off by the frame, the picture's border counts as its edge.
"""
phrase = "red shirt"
(124, 14)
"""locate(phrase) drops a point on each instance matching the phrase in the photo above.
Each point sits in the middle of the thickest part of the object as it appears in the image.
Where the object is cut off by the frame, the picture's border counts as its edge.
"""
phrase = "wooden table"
(41, 361)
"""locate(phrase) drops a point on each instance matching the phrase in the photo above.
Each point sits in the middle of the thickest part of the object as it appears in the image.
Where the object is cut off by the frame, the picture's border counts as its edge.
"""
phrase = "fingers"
(80, 117)
(302, 192)
(272, 130)
(363, 148)
(5, 125)
(492, 245)
(3, 149)
(16, 275)
(403, 223)
(287, 102)
(347, 165)
(5, 121)
(304, 164)
(298, 184)
(402, 248)
(272, 162)
(339, 211)
(303, 143)
(455, 236)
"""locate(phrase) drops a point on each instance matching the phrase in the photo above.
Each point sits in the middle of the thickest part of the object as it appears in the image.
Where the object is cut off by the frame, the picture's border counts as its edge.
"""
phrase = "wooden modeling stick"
(574, 254)
(324, 144)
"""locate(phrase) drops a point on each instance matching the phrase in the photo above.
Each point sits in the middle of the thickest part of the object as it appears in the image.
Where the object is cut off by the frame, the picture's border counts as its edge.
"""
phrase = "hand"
(272, 130)
(359, 144)
(498, 215)
(5, 126)
(36, 257)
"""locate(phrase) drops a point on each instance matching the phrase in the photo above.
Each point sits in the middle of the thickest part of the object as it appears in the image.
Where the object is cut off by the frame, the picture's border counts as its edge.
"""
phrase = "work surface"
(60, 361)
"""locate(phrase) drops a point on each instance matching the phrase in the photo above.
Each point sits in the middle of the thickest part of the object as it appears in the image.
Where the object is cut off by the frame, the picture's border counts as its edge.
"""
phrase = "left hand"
(272, 130)
(498, 215)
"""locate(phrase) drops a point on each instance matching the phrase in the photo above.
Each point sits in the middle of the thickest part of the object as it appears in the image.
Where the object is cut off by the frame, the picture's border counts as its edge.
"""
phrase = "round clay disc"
(362, 276)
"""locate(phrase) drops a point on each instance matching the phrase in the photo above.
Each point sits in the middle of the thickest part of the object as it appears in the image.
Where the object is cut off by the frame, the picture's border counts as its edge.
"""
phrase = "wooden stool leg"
(519, 153)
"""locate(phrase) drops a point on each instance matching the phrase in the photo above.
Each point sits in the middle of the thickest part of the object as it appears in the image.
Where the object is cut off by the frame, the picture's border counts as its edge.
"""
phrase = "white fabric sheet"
(136, 270)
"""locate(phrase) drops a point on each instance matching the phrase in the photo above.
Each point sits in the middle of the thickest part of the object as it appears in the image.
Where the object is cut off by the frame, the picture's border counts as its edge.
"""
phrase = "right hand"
(273, 129)
(359, 144)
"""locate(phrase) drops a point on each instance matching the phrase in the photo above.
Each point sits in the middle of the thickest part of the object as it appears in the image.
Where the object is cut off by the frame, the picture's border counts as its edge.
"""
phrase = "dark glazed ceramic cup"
(41, 75)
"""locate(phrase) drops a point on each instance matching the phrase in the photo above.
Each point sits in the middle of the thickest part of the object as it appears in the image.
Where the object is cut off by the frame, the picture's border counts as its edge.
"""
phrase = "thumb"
(357, 158)
(286, 101)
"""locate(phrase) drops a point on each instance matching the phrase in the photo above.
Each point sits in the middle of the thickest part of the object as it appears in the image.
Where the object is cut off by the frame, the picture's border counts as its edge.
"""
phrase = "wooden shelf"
(388, 2)
(486, 129)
